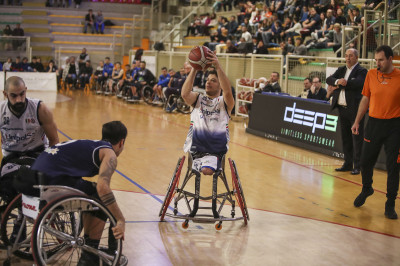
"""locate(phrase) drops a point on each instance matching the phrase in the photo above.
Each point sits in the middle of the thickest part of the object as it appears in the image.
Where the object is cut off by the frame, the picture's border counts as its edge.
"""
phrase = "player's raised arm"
(48, 124)
(187, 94)
(223, 80)
(107, 167)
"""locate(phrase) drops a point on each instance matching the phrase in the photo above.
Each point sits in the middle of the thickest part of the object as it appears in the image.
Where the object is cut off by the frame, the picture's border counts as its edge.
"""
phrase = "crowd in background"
(281, 23)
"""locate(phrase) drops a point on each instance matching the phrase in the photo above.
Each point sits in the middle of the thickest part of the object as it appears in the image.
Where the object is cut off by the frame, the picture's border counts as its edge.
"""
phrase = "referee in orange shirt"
(382, 95)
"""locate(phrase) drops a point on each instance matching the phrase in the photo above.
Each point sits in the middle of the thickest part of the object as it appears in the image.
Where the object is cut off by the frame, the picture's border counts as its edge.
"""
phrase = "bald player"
(27, 127)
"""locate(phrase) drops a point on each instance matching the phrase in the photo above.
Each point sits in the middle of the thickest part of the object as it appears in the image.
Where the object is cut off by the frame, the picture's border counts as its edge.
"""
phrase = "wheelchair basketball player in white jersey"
(27, 127)
(208, 136)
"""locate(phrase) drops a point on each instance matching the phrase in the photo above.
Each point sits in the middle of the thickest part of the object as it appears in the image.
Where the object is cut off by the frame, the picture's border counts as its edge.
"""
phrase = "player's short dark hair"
(308, 80)
(213, 72)
(163, 68)
(386, 49)
(276, 73)
(114, 132)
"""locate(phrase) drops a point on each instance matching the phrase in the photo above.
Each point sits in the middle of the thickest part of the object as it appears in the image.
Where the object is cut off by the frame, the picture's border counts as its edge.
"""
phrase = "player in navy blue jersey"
(66, 163)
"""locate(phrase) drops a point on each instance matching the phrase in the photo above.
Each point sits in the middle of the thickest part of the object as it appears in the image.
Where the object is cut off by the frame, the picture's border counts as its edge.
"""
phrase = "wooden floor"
(301, 210)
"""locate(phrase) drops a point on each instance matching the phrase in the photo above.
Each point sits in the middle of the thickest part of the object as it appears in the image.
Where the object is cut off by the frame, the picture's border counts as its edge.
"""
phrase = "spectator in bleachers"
(245, 34)
(327, 25)
(316, 91)
(355, 16)
(277, 7)
(99, 22)
(7, 43)
(117, 75)
(337, 38)
(369, 5)
(288, 23)
(227, 3)
(255, 19)
(289, 8)
(232, 27)
(340, 18)
(163, 81)
(287, 48)
(51, 68)
(242, 12)
(40, 67)
(18, 32)
(17, 65)
(25, 65)
(321, 6)
(271, 85)
(190, 28)
(7, 65)
(83, 57)
(303, 14)
(77, 3)
(264, 27)
(294, 30)
(273, 34)
(217, 5)
(71, 71)
(266, 13)
(299, 48)
(313, 21)
(142, 78)
(347, 6)
(85, 74)
(36, 65)
(231, 48)
(334, 6)
(261, 48)
(89, 21)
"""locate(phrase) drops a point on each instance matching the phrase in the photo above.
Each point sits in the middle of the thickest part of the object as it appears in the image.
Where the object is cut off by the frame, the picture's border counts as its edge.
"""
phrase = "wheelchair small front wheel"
(58, 236)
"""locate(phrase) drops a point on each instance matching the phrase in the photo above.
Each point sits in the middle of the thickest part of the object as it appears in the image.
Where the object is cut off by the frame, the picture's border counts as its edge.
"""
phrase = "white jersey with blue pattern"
(208, 132)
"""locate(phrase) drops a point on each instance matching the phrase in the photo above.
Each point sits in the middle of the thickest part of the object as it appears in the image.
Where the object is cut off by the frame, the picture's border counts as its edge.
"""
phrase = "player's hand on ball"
(212, 58)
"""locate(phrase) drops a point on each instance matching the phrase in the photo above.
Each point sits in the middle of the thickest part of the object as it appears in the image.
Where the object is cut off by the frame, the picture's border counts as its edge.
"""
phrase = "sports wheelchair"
(145, 93)
(49, 228)
(217, 199)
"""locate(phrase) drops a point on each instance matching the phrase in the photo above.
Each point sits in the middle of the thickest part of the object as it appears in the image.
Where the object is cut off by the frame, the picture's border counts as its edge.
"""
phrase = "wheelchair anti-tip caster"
(218, 226)
(185, 224)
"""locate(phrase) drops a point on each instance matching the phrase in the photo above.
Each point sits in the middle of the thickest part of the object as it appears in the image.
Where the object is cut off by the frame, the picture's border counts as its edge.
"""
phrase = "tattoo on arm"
(109, 169)
(108, 199)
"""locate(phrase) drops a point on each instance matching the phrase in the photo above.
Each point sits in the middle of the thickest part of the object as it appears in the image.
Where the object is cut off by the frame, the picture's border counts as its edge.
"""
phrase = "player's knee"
(207, 171)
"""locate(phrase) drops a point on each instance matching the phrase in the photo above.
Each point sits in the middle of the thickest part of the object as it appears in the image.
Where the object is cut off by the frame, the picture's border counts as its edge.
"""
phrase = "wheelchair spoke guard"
(171, 188)
(237, 186)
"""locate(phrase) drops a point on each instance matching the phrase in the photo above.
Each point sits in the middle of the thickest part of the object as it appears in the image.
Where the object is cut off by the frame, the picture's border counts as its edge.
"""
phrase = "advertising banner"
(37, 81)
(299, 122)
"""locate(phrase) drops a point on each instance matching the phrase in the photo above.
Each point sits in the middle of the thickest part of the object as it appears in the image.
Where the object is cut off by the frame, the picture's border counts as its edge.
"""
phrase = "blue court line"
(62, 133)
(127, 178)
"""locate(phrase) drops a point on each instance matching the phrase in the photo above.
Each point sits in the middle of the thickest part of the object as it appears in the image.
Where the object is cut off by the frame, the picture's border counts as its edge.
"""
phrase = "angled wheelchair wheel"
(181, 106)
(58, 237)
(171, 188)
(16, 229)
(147, 93)
(239, 191)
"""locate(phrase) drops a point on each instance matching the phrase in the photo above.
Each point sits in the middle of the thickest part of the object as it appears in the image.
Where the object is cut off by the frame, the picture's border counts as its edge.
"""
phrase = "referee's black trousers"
(380, 132)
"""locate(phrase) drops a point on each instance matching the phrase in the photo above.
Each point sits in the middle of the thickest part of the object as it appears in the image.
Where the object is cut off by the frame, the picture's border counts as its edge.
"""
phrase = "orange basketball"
(197, 58)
